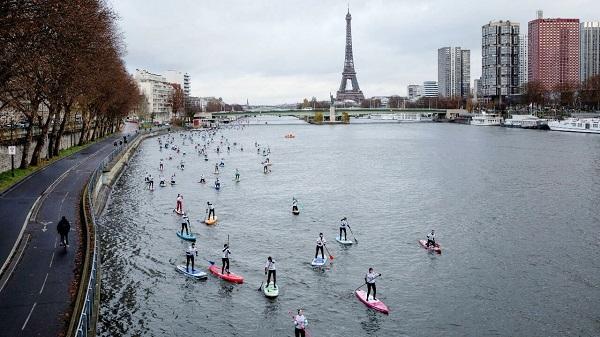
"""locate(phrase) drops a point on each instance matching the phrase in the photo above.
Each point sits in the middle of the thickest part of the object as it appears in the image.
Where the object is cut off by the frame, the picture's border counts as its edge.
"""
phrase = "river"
(517, 213)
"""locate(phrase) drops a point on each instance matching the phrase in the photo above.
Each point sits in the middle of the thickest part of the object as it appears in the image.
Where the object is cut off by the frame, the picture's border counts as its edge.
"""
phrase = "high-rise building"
(523, 60)
(178, 77)
(454, 71)
(415, 91)
(499, 59)
(430, 89)
(553, 51)
(476, 92)
(158, 91)
(589, 50)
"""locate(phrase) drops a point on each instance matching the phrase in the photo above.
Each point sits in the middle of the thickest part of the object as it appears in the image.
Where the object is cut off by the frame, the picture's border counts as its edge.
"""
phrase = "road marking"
(28, 316)
(44, 284)
(52, 258)
(15, 264)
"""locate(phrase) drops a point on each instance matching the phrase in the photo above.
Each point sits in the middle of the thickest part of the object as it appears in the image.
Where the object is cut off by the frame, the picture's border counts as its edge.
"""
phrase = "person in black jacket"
(63, 229)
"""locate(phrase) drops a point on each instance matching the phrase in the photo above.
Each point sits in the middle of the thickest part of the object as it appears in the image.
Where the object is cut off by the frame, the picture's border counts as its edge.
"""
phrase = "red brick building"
(554, 51)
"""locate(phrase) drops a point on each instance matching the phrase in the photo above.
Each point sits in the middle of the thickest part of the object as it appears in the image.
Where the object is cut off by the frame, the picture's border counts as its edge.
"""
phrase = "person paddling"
(211, 210)
(343, 224)
(150, 182)
(321, 242)
(431, 239)
(63, 228)
(189, 256)
(173, 179)
(216, 168)
(179, 203)
(202, 181)
(185, 223)
(237, 174)
(370, 280)
(300, 324)
(270, 270)
(294, 205)
(225, 259)
(161, 166)
(217, 184)
(162, 180)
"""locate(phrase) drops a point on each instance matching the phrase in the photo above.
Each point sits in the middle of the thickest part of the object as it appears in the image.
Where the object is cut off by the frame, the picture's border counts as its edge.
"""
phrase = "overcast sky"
(281, 51)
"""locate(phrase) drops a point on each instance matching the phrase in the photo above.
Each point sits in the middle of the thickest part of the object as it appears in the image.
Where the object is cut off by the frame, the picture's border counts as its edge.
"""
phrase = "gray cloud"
(282, 51)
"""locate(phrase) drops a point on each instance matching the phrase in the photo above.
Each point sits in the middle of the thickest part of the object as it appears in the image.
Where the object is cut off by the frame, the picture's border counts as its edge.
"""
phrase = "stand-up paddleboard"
(373, 304)
(217, 188)
(318, 261)
(196, 273)
(162, 185)
(186, 236)
(436, 249)
(296, 211)
(344, 242)
(178, 212)
(172, 183)
(215, 172)
(205, 159)
(233, 278)
(211, 221)
(270, 290)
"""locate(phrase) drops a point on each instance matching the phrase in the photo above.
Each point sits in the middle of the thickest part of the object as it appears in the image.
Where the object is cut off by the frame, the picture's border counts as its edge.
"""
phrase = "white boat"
(526, 122)
(486, 119)
(586, 125)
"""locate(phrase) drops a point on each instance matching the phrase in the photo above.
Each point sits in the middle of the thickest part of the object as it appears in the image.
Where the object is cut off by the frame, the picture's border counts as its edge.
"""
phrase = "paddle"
(366, 283)
(212, 263)
(330, 256)
(355, 240)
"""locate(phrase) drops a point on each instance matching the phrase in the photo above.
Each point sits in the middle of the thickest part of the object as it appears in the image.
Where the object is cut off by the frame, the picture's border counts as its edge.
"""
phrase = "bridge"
(352, 112)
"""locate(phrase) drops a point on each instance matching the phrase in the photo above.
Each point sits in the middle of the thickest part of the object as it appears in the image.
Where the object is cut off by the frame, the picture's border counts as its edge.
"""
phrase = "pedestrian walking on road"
(63, 229)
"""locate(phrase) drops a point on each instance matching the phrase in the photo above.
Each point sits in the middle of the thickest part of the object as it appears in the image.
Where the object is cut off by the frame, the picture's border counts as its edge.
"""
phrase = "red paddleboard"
(227, 277)
(375, 305)
(436, 249)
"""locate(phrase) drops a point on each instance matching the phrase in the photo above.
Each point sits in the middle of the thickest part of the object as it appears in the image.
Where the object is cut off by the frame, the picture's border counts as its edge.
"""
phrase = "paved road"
(36, 300)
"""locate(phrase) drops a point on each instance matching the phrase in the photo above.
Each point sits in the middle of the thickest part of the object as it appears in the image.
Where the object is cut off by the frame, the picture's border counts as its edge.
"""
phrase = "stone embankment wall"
(66, 141)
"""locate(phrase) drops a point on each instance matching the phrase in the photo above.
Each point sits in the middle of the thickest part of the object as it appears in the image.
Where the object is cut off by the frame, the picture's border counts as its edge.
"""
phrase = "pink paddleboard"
(436, 249)
(375, 305)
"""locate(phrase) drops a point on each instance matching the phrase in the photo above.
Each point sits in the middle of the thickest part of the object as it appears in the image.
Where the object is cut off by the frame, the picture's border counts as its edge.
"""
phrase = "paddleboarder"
(294, 205)
(237, 174)
(343, 224)
(300, 324)
(150, 182)
(225, 259)
(202, 181)
(217, 184)
(431, 239)
(185, 223)
(210, 209)
(179, 203)
(370, 280)
(173, 179)
(161, 166)
(189, 256)
(63, 227)
(162, 181)
(216, 168)
(321, 242)
(270, 270)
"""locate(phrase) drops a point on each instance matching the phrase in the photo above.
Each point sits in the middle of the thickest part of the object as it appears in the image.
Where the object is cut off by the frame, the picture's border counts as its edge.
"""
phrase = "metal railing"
(85, 321)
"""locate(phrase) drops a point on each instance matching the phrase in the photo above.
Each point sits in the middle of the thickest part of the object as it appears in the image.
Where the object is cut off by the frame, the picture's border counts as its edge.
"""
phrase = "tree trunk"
(61, 130)
(85, 116)
(41, 138)
(27, 145)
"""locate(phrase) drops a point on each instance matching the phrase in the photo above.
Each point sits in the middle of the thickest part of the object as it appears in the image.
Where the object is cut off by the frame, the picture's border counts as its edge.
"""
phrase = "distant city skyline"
(280, 52)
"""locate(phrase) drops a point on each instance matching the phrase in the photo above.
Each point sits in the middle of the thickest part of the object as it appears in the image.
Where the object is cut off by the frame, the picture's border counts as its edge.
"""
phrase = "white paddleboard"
(319, 262)
(270, 290)
(196, 273)
(344, 242)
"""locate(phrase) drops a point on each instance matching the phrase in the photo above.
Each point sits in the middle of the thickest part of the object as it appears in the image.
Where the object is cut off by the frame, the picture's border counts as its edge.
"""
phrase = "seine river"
(517, 213)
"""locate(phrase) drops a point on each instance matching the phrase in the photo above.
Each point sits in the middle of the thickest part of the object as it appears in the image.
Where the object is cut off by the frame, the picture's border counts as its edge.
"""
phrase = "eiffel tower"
(349, 74)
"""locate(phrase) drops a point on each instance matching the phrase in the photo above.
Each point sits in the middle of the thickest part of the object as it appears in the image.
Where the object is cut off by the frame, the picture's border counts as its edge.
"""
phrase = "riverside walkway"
(39, 283)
